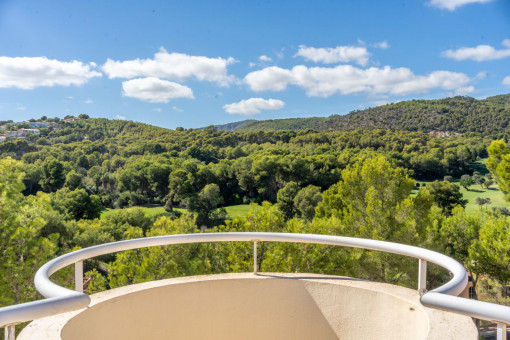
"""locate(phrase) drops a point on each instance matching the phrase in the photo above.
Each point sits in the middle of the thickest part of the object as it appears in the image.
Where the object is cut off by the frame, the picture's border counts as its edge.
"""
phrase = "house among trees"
(29, 132)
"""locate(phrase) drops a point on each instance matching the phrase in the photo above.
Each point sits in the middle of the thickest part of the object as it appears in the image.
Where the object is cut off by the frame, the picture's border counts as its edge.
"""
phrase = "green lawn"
(496, 196)
(149, 210)
(156, 210)
(475, 191)
(240, 210)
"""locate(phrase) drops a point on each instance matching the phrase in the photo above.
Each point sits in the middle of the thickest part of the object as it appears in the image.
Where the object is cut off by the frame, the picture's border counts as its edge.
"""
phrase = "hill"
(235, 125)
(459, 114)
(499, 101)
(275, 124)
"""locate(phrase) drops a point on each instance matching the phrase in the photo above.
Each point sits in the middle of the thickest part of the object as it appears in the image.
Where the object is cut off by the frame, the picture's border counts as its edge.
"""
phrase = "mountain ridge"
(460, 114)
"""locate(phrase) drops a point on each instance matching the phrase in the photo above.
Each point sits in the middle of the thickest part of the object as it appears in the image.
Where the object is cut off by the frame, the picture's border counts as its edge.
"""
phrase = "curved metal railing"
(60, 299)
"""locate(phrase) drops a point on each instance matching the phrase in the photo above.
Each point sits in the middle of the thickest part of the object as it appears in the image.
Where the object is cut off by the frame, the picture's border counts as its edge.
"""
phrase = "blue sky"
(197, 63)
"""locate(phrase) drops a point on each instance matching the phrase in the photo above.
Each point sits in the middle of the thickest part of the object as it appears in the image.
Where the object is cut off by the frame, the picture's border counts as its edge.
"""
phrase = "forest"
(490, 116)
(356, 182)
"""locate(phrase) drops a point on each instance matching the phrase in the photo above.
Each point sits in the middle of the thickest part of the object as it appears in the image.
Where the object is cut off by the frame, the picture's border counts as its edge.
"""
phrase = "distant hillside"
(275, 124)
(459, 114)
(500, 101)
(235, 125)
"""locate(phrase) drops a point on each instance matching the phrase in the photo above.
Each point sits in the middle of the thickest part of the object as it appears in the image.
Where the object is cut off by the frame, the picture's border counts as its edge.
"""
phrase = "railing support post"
(10, 332)
(501, 332)
(78, 276)
(422, 276)
(255, 257)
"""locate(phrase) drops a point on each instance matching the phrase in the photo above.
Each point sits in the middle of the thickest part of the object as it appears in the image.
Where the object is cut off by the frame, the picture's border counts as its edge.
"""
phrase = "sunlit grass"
(149, 210)
(475, 191)
(157, 210)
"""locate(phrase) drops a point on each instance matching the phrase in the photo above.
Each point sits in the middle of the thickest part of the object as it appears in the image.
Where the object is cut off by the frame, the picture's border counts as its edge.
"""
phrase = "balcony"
(254, 305)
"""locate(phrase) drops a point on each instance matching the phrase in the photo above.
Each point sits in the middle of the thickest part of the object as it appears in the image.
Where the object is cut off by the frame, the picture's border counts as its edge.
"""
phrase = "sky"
(198, 63)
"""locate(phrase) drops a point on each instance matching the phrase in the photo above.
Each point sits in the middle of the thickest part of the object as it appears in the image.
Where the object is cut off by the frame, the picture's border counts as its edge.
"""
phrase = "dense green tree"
(490, 252)
(454, 236)
(446, 195)
(76, 204)
(499, 164)
(32, 178)
(73, 180)
(205, 205)
(23, 250)
(373, 201)
(53, 175)
(306, 200)
(285, 199)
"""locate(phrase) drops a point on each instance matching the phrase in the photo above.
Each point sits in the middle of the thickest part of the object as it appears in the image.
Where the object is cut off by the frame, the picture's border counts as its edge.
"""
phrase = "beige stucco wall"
(245, 306)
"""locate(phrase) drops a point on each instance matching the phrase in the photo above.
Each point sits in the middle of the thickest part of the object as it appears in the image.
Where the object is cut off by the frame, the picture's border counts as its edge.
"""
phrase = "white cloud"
(178, 109)
(265, 58)
(481, 75)
(338, 54)
(155, 90)
(506, 81)
(89, 101)
(382, 45)
(479, 53)
(157, 109)
(22, 108)
(174, 66)
(347, 79)
(251, 64)
(252, 106)
(451, 5)
(120, 117)
(30, 72)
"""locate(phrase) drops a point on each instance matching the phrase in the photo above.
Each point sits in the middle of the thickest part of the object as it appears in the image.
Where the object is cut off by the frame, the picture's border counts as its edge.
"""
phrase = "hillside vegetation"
(490, 117)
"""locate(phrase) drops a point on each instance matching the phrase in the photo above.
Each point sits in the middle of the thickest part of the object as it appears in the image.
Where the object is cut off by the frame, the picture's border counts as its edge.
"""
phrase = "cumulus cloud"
(506, 81)
(89, 101)
(30, 72)
(119, 117)
(253, 106)
(382, 45)
(451, 5)
(479, 53)
(347, 79)
(155, 90)
(339, 54)
(265, 58)
(173, 66)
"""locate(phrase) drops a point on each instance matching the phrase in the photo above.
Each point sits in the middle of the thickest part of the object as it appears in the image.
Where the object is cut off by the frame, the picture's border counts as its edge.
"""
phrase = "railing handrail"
(60, 299)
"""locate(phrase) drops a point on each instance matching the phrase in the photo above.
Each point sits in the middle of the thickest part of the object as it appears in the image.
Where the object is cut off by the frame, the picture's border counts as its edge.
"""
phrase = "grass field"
(240, 210)
(157, 210)
(149, 210)
(475, 191)
(496, 196)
